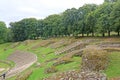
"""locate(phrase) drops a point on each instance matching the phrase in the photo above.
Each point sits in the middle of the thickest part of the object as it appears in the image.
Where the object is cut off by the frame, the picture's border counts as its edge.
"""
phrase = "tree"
(88, 19)
(40, 27)
(83, 13)
(69, 21)
(90, 23)
(115, 17)
(24, 29)
(18, 31)
(30, 27)
(3, 32)
(110, 1)
(9, 35)
(103, 14)
(51, 25)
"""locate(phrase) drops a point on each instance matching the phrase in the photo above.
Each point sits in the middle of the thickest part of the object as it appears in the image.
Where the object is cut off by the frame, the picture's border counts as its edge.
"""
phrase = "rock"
(75, 75)
(92, 76)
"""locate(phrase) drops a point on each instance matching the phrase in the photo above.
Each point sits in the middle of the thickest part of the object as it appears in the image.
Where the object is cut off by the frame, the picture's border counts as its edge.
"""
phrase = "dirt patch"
(43, 44)
(15, 44)
(110, 44)
(22, 60)
(117, 78)
(2, 69)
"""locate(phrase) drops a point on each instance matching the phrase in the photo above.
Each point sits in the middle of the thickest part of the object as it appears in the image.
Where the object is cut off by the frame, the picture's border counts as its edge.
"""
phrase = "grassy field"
(46, 58)
(113, 69)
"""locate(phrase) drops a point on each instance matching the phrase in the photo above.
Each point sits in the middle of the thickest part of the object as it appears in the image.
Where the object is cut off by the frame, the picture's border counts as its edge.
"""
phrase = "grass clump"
(51, 69)
(94, 59)
(63, 60)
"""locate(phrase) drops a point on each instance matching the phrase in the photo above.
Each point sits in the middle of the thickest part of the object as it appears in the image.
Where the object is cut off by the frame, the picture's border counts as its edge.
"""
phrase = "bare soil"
(23, 60)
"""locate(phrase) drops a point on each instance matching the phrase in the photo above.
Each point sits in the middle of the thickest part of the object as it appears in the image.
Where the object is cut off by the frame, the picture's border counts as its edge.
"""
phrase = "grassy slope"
(3, 65)
(4, 54)
(113, 69)
(45, 53)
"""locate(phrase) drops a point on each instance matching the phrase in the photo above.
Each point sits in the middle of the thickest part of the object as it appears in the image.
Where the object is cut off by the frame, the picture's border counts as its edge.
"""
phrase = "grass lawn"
(113, 69)
(4, 66)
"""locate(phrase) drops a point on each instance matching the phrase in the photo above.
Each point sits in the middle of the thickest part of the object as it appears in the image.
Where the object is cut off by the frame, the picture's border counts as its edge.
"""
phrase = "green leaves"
(115, 17)
(88, 19)
(3, 32)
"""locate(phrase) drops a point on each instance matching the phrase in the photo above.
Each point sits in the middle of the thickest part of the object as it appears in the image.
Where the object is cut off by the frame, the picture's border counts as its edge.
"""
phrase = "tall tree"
(52, 24)
(110, 1)
(103, 21)
(30, 26)
(83, 12)
(69, 21)
(3, 32)
(115, 17)
(90, 23)
(24, 29)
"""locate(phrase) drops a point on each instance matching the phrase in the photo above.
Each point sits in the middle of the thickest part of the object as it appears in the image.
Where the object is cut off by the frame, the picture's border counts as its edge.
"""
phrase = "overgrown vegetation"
(44, 67)
(94, 59)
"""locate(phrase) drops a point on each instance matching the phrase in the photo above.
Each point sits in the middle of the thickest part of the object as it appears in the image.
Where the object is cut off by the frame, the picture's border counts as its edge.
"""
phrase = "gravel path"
(23, 60)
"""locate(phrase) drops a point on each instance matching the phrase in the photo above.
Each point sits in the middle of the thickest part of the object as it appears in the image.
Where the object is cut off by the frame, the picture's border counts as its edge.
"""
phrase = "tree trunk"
(82, 34)
(103, 34)
(87, 34)
(118, 33)
(92, 34)
(109, 33)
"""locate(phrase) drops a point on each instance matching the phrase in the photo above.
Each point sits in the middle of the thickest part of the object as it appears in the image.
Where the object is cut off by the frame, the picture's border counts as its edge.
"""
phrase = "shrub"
(62, 60)
(51, 69)
(94, 59)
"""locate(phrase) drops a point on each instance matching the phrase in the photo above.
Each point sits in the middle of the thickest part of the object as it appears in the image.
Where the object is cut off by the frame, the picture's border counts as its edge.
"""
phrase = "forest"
(88, 20)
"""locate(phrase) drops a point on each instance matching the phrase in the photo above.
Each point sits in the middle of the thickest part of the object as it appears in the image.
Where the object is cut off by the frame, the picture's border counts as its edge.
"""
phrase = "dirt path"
(23, 60)
(2, 69)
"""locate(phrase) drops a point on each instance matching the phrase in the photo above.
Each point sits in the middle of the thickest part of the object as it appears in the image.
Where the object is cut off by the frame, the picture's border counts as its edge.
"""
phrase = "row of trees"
(88, 19)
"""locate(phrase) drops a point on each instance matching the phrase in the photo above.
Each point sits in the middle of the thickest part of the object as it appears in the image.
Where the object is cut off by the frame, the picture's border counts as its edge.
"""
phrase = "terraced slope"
(43, 44)
(22, 60)
(71, 47)
(57, 44)
(69, 59)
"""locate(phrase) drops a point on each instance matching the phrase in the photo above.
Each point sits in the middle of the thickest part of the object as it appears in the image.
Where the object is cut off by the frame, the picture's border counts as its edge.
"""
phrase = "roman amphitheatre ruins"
(53, 55)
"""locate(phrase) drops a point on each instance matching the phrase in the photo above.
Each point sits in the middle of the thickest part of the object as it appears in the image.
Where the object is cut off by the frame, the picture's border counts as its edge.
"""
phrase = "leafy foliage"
(3, 32)
(88, 19)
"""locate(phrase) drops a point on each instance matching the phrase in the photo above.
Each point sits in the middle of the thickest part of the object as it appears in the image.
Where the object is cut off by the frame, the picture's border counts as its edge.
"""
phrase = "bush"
(63, 60)
(51, 69)
(94, 59)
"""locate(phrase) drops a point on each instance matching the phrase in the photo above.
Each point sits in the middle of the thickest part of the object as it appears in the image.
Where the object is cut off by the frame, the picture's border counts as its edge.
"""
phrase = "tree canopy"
(3, 32)
(90, 19)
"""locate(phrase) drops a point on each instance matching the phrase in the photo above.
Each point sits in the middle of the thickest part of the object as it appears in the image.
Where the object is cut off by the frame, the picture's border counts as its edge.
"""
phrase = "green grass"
(3, 65)
(5, 53)
(45, 54)
(113, 69)
(75, 65)
(38, 74)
